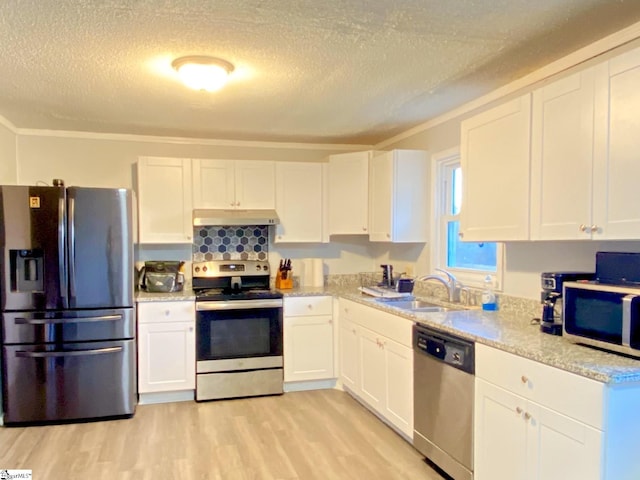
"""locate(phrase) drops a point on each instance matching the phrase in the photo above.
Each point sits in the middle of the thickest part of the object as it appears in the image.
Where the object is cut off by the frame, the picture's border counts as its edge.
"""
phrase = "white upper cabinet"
(562, 155)
(164, 200)
(398, 196)
(495, 159)
(616, 210)
(227, 184)
(299, 202)
(348, 193)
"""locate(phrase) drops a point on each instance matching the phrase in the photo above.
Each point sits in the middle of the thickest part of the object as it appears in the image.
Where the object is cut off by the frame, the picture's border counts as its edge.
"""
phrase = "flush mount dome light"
(202, 73)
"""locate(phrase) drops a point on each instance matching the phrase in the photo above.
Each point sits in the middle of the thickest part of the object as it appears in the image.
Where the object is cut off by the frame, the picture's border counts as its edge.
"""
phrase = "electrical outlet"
(408, 269)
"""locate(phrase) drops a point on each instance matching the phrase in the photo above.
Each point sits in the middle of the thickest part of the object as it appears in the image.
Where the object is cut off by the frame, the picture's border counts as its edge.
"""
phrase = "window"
(470, 262)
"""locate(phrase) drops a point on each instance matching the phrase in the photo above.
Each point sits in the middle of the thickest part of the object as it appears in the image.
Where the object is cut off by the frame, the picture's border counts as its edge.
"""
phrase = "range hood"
(219, 217)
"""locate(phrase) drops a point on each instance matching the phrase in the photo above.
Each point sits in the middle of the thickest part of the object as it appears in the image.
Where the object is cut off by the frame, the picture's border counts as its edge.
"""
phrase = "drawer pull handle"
(167, 312)
(310, 307)
(524, 379)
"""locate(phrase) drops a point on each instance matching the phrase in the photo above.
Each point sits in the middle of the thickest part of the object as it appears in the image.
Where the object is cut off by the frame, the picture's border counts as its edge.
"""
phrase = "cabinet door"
(560, 447)
(255, 184)
(381, 180)
(348, 193)
(308, 343)
(372, 367)
(349, 356)
(495, 163)
(213, 183)
(299, 202)
(616, 172)
(500, 434)
(563, 132)
(164, 200)
(166, 357)
(399, 386)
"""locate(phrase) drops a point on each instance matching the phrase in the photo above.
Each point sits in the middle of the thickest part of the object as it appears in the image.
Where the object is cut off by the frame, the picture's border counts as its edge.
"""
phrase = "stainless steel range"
(238, 330)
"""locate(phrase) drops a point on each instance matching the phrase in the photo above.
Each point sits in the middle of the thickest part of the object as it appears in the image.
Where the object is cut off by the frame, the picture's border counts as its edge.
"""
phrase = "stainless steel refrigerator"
(68, 321)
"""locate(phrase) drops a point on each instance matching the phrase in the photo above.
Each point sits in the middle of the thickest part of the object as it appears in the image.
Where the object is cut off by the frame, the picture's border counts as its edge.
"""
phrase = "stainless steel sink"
(415, 305)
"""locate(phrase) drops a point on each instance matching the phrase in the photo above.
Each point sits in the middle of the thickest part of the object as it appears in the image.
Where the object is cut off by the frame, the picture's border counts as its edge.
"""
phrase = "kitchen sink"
(415, 305)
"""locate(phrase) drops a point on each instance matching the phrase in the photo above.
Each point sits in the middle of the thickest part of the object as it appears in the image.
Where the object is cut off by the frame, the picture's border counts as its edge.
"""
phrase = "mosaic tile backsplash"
(248, 242)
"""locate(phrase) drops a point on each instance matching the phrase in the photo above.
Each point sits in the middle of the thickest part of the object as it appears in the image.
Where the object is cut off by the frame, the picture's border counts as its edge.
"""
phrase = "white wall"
(100, 162)
(8, 174)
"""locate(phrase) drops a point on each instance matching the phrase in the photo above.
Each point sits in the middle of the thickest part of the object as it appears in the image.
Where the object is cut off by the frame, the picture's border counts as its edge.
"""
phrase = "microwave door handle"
(62, 253)
(72, 247)
(627, 309)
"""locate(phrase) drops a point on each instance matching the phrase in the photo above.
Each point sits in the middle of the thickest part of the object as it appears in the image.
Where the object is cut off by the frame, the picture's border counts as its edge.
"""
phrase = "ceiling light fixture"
(202, 73)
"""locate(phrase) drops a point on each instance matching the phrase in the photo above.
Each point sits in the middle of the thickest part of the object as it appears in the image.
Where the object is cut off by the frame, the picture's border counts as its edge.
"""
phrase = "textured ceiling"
(325, 71)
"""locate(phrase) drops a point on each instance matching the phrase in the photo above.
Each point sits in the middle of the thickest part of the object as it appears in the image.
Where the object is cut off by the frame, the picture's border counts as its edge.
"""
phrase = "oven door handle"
(239, 304)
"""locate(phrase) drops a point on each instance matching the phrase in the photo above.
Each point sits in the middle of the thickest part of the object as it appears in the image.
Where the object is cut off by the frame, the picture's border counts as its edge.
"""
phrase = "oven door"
(238, 335)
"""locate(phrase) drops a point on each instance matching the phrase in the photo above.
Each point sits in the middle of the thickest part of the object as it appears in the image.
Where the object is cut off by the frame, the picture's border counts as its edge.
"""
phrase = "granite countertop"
(185, 295)
(506, 331)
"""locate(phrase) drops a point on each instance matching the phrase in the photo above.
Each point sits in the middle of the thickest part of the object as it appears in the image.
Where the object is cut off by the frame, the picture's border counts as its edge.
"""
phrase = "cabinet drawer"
(386, 324)
(302, 306)
(154, 312)
(567, 393)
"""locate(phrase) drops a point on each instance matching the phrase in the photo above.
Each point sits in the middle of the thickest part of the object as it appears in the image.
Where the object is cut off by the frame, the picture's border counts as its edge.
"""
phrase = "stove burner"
(212, 294)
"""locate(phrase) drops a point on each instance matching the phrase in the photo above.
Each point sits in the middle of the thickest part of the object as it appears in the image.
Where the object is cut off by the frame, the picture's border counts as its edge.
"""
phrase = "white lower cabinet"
(376, 362)
(166, 346)
(519, 439)
(308, 339)
(535, 422)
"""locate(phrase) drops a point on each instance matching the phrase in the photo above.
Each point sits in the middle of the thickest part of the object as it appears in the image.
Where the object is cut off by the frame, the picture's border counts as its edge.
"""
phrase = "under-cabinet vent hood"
(213, 217)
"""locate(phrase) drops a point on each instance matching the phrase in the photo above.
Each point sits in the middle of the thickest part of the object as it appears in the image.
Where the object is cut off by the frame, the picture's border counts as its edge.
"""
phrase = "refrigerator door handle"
(71, 353)
(62, 253)
(49, 321)
(72, 246)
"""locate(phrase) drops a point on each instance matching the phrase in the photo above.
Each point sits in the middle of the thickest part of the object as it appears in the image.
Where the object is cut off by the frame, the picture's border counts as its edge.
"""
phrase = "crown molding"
(582, 55)
(6, 123)
(187, 140)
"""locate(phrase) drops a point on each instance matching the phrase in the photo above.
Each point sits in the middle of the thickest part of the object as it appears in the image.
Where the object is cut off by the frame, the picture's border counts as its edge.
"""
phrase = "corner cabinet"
(300, 202)
(398, 196)
(308, 338)
(233, 184)
(376, 362)
(495, 159)
(349, 193)
(164, 200)
(166, 347)
(533, 421)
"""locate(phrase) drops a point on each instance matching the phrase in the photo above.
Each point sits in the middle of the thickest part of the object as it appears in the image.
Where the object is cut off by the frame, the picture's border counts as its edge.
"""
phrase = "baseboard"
(310, 385)
(166, 397)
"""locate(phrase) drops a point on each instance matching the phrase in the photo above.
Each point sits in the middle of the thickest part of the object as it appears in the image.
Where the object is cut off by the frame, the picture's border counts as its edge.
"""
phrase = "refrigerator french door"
(68, 323)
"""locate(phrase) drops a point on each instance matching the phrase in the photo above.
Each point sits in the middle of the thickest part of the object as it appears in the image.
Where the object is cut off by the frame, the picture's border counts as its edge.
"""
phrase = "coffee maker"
(551, 282)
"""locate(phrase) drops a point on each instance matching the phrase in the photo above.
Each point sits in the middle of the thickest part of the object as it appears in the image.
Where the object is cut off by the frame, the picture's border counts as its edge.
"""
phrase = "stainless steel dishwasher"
(443, 369)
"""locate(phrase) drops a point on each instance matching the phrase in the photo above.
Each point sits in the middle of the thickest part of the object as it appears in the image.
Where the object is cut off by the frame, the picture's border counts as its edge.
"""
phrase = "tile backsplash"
(249, 242)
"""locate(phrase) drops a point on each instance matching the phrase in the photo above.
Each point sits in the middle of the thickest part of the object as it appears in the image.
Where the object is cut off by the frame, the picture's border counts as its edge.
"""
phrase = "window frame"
(442, 164)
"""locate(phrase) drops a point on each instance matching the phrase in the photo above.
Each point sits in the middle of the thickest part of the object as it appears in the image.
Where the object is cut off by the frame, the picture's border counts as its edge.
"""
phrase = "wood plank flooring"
(322, 434)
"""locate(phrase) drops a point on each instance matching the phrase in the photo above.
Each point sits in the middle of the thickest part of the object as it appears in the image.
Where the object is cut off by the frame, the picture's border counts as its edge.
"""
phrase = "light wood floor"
(322, 434)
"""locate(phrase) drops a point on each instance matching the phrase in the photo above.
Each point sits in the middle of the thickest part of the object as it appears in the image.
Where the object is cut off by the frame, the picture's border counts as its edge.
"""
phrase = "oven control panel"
(230, 268)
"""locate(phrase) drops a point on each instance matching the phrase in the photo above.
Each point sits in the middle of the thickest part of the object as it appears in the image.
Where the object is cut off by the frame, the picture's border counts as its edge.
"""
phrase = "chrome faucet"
(449, 281)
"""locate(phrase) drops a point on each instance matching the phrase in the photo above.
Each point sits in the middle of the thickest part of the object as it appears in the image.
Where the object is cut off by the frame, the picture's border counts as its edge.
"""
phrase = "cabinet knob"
(388, 235)
(364, 229)
(524, 379)
(310, 307)
(594, 228)
(518, 410)
(237, 204)
(354, 331)
(167, 313)
(191, 329)
(232, 204)
(583, 228)
(279, 237)
(527, 416)
(188, 237)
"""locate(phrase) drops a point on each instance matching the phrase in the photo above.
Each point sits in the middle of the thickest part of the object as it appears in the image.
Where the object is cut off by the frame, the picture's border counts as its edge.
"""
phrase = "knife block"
(284, 283)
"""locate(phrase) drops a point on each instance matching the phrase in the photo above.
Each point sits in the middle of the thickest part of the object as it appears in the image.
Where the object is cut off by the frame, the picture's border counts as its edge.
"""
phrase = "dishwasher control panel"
(449, 349)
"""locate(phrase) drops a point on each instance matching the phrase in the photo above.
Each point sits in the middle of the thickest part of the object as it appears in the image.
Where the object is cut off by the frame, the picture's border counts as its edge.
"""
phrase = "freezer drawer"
(68, 326)
(52, 383)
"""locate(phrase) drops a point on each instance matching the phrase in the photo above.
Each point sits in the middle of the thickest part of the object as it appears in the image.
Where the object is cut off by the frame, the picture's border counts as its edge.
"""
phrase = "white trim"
(166, 397)
(6, 123)
(187, 140)
(584, 54)
(310, 385)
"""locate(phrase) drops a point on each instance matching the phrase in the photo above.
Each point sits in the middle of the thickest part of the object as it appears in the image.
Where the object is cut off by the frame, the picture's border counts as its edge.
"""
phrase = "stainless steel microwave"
(604, 316)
